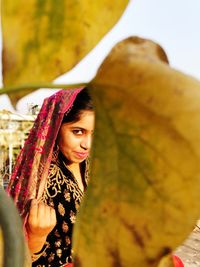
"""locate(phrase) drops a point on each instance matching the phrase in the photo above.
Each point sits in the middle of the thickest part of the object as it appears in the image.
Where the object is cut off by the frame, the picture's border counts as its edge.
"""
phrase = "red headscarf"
(31, 170)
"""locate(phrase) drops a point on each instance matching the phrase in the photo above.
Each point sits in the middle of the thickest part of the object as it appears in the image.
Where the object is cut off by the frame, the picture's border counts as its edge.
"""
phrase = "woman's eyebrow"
(77, 127)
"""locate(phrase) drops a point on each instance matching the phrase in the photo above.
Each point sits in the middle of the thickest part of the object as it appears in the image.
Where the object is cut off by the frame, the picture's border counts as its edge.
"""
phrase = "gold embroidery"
(58, 243)
(72, 217)
(53, 186)
(61, 209)
(56, 233)
(51, 257)
(67, 240)
(51, 204)
(73, 187)
(59, 252)
(54, 183)
(65, 227)
(67, 195)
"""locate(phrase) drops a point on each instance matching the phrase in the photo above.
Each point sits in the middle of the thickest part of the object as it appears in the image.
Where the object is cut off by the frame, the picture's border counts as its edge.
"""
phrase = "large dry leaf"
(143, 198)
(44, 39)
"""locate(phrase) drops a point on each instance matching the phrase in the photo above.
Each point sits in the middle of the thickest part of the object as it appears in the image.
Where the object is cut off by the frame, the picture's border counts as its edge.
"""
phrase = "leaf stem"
(24, 87)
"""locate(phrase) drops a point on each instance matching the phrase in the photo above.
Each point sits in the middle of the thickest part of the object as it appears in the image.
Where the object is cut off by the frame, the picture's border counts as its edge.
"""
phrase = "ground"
(189, 252)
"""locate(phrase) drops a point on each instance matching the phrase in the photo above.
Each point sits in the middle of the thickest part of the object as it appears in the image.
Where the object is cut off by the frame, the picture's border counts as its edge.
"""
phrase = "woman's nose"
(86, 142)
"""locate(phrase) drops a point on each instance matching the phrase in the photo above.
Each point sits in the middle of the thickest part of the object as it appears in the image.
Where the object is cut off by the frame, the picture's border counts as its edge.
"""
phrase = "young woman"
(51, 175)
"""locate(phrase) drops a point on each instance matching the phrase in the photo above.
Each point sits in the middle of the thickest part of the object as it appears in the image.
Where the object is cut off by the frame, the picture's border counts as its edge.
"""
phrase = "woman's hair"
(82, 102)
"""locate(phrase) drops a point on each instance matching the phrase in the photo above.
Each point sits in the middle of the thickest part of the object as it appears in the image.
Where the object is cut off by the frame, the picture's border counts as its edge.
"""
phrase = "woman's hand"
(41, 221)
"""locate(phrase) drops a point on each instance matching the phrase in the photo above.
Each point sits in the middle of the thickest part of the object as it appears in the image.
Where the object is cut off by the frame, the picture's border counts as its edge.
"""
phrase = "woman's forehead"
(86, 120)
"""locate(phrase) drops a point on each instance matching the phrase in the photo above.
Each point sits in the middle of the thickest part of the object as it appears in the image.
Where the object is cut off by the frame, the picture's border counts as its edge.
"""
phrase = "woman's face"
(75, 138)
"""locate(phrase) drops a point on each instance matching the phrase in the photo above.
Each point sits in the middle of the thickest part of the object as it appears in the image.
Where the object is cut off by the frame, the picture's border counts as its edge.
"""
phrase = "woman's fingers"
(42, 218)
(46, 215)
(33, 212)
(43, 213)
(53, 216)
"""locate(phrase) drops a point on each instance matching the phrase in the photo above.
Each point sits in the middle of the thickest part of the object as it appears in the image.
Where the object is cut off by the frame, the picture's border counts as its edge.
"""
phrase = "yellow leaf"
(143, 198)
(44, 39)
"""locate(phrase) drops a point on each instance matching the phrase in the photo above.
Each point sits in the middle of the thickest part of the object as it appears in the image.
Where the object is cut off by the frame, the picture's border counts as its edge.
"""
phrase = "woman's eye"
(77, 132)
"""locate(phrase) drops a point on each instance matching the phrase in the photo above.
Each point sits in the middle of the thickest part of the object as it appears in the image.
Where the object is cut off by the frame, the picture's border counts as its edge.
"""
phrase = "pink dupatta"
(31, 170)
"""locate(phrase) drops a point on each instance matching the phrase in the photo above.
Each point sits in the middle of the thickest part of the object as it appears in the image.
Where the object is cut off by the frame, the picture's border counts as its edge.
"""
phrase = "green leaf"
(12, 245)
(44, 39)
(143, 198)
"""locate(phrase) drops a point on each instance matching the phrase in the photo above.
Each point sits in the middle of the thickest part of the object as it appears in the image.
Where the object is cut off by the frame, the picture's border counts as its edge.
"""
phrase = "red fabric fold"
(177, 261)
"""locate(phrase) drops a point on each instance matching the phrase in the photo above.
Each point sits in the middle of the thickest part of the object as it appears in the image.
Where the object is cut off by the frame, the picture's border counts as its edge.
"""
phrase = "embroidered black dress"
(63, 193)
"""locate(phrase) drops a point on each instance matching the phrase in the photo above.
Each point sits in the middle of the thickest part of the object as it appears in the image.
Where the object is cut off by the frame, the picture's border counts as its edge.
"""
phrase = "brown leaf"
(44, 39)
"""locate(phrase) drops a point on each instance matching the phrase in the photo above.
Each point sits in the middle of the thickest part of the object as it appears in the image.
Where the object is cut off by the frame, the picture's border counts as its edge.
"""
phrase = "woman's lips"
(81, 155)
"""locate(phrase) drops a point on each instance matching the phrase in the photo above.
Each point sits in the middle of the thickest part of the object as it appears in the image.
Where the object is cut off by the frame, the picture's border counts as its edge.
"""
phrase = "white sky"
(174, 24)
